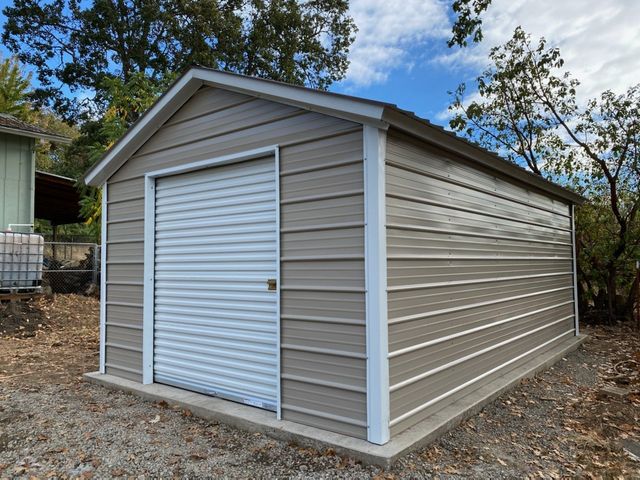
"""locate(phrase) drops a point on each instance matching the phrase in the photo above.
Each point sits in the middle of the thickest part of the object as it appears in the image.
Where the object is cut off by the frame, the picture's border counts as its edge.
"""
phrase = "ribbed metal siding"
(215, 321)
(479, 275)
(322, 272)
(323, 311)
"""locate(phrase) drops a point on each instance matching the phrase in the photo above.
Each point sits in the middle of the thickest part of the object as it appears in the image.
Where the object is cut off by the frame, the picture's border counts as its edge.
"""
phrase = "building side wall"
(479, 277)
(323, 357)
(17, 178)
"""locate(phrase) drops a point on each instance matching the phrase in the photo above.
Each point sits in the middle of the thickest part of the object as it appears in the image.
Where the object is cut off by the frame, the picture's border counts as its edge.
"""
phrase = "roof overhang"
(56, 199)
(359, 110)
(44, 136)
(450, 142)
(342, 106)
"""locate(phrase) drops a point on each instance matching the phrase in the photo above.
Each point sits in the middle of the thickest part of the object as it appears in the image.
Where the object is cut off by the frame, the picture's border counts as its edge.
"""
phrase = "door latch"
(272, 284)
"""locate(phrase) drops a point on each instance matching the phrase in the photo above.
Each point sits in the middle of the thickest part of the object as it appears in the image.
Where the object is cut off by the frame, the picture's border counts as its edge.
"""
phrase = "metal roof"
(56, 199)
(361, 110)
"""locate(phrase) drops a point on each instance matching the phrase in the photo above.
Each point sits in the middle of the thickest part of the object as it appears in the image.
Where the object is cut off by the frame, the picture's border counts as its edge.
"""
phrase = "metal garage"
(336, 261)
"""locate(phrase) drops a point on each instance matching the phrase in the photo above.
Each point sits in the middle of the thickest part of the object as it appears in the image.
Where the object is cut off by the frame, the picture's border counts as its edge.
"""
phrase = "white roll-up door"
(215, 325)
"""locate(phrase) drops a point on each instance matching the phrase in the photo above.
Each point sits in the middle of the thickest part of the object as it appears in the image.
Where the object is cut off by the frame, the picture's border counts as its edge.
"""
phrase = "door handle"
(272, 284)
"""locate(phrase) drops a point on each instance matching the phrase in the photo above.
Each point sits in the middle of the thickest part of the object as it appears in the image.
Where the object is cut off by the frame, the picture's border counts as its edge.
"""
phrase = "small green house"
(18, 170)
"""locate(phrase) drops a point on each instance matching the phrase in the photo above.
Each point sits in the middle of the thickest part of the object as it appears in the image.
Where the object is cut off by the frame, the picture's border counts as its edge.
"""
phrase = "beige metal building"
(335, 260)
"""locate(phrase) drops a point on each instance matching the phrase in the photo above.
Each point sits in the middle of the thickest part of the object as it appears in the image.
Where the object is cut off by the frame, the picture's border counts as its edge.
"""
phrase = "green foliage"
(511, 115)
(14, 89)
(126, 102)
(91, 210)
(526, 109)
(121, 53)
(597, 236)
(15, 92)
(468, 22)
(80, 45)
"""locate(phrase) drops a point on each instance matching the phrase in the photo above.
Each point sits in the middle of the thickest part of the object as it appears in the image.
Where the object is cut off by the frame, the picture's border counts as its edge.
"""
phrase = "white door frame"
(149, 248)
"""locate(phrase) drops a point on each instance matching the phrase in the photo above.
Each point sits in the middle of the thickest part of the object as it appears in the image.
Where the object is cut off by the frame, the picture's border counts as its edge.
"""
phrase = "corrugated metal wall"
(479, 274)
(17, 180)
(322, 246)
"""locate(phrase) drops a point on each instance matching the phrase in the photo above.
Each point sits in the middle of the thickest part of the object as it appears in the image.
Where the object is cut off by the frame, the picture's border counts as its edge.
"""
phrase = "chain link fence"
(71, 268)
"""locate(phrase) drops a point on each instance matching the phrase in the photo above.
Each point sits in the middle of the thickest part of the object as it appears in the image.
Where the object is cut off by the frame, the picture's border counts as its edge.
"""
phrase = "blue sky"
(400, 54)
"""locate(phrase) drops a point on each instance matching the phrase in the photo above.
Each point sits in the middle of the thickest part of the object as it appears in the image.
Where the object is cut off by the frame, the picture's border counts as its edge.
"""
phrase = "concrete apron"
(256, 420)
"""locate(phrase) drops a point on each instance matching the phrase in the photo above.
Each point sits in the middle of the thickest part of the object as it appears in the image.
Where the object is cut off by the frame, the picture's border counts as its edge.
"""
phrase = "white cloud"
(599, 39)
(387, 30)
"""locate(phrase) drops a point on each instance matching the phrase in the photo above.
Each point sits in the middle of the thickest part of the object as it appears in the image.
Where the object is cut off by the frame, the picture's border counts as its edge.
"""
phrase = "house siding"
(479, 274)
(323, 357)
(17, 180)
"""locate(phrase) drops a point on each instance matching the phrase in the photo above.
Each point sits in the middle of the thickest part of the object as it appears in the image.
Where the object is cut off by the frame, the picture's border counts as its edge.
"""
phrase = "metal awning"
(56, 199)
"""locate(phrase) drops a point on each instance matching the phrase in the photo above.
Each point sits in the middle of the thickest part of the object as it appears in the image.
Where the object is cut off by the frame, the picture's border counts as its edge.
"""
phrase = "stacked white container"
(21, 258)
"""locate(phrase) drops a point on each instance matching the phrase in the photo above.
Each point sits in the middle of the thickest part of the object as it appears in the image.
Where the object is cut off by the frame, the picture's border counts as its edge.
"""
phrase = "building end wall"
(480, 276)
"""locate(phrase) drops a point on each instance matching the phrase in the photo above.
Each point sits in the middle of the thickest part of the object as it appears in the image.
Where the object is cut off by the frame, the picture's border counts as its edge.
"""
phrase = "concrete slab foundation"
(256, 420)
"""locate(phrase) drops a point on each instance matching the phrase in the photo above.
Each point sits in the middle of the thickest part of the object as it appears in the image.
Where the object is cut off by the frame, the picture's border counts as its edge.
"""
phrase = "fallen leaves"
(554, 425)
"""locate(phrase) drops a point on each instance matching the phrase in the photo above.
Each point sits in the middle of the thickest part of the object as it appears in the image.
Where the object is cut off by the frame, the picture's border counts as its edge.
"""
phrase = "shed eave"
(359, 110)
(168, 103)
(36, 135)
(337, 105)
(341, 106)
(448, 141)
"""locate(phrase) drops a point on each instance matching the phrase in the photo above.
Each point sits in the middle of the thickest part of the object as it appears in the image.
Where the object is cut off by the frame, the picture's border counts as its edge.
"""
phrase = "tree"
(528, 111)
(14, 89)
(126, 102)
(468, 21)
(15, 94)
(77, 45)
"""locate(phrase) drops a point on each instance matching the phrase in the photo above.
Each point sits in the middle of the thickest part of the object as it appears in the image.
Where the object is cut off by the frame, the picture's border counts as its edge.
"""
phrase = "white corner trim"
(378, 412)
(149, 273)
(149, 246)
(103, 281)
(278, 284)
(575, 269)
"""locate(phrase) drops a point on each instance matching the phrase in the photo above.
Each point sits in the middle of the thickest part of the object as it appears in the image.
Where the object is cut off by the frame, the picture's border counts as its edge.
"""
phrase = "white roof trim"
(142, 130)
(341, 106)
(359, 110)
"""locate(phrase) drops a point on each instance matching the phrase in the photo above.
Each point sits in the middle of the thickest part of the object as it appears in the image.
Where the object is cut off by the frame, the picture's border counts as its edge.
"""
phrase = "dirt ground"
(566, 422)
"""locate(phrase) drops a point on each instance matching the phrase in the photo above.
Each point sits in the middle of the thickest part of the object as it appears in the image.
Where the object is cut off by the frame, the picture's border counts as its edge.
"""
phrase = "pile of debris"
(70, 276)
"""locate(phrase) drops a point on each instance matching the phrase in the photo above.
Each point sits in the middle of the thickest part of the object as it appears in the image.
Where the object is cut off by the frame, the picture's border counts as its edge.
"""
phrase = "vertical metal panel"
(575, 269)
(479, 277)
(322, 302)
(17, 177)
(309, 142)
(215, 320)
(374, 142)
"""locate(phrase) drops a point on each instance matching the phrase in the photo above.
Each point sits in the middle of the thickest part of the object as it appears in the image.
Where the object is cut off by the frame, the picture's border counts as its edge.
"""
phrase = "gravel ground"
(54, 425)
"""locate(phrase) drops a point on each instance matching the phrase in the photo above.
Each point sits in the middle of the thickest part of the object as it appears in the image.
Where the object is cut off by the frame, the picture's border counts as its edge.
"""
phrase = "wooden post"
(638, 295)
(13, 305)
(54, 238)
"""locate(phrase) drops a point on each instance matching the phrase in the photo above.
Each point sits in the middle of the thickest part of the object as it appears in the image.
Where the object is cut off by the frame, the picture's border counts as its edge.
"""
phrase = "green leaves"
(468, 23)
(14, 89)
(80, 45)
(525, 108)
